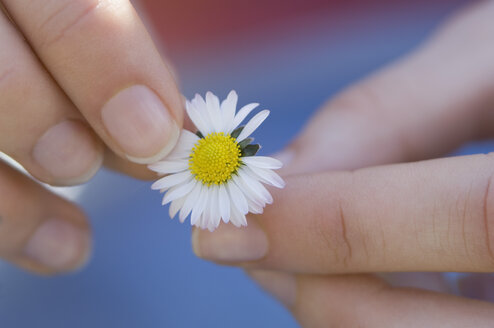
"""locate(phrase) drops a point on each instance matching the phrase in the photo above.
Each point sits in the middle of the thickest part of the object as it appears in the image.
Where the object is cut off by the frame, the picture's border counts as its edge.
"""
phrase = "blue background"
(143, 272)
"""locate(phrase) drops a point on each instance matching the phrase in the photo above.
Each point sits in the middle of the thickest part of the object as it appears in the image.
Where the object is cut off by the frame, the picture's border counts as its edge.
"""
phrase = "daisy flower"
(213, 175)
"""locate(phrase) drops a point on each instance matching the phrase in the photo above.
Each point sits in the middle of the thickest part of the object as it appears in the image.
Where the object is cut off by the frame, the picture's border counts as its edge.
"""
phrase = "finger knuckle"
(486, 231)
(364, 98)
(61, 18)
(474, 210)
(332, 227)
(370, 101)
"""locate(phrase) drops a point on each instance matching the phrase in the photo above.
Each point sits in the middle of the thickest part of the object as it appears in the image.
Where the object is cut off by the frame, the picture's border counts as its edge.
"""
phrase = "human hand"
(88, 77)
(328, 228)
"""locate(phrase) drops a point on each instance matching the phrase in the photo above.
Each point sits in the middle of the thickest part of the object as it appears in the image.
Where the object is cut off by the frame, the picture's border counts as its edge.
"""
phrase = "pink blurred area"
(188, 25)
(258, 44)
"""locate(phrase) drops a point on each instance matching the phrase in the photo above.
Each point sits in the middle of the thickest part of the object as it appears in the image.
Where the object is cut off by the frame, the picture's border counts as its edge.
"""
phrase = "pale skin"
(349, 210)
(74, 93)
(347, 207)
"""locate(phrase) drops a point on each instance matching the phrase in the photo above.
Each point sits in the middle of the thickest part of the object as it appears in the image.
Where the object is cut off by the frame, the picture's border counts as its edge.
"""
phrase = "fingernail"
(281, 285)
(140, 123)
(59, 245)
(69, 152)
(231, 244)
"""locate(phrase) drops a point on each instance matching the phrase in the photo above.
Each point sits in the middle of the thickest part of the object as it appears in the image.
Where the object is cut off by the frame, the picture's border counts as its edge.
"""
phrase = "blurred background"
(290, 56)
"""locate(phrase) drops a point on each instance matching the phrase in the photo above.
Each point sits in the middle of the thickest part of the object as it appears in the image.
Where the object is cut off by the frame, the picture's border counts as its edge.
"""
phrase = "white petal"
(255, 208)
(175, 206)
(251, 180)
(202, 223)
(200, 103)
(214, 207)
(249, 194)
(243, 220)
(211, 225)
(199, 207)
(253, 124)
(263, 162)
(168, 167)
(206, 214)
(171, 180)
(202, 110)
(238, 219)
(267, 176)
(224, 203)
(196, 117)
(255, 203)
(184, 145)
(179, 191)
(237, 197)
(190, 201)
(234, 216)
(213, 105)
(212, 99)
(261, 194)
(228, 107)
(241, 115)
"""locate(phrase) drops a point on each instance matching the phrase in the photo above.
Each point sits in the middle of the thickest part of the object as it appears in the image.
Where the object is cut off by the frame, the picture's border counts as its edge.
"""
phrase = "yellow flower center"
(215, 158)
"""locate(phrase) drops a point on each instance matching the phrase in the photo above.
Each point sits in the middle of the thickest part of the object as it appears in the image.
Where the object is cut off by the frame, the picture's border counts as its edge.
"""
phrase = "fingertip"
(195, 242)
(68, 153)
(229, 244)
(281, 285)
(59, 245)
(140, 124)
(171, 141)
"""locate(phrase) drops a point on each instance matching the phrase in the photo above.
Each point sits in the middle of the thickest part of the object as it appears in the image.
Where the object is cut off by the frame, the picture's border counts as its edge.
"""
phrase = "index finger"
(101, 55)
(428, 216)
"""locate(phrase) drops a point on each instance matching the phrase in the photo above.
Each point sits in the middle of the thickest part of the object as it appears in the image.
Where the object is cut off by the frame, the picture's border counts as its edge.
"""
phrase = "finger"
(365, 301)
(38, 230)
(101, 55)
(139, 171)
(364, 125)
(428, 216)
(40, 127)
(433, 281)
(422, 106)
